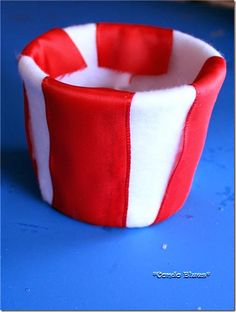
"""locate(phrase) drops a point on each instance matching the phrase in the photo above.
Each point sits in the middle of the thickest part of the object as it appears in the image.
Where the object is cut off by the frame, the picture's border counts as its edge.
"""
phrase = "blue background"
(53, 262)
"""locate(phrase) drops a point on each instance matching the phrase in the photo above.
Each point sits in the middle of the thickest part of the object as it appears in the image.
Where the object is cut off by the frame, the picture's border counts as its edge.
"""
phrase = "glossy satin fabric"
(89, 151)
(55, 53)
(207, 85)
(138, 49)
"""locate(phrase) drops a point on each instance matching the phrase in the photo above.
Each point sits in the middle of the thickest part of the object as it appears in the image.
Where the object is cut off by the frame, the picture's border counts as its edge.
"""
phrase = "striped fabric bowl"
(116, 118)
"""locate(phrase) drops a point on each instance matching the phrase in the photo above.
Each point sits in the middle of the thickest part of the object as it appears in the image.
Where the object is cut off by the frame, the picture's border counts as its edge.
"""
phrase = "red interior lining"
(138, 49)
(55, 53)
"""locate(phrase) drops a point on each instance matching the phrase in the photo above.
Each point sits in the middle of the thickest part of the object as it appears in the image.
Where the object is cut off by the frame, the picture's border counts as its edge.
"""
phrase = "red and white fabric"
(116, 118)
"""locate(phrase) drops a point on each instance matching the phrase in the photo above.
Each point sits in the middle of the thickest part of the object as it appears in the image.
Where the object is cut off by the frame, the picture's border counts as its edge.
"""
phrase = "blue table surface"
(50, 261)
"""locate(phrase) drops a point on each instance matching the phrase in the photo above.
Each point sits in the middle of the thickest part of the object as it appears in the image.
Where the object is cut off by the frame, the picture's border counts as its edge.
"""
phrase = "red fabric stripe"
(55, 53)
(138, 49)
(207, 85)
(28, 131)
(89, 151)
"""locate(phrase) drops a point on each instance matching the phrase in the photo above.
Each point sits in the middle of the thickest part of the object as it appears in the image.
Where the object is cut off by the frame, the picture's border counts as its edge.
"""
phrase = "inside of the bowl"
(182, 62)
(120, 56)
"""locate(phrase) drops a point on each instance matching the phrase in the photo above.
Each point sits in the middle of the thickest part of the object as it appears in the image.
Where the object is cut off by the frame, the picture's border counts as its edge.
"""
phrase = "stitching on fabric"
(128, 147)
(186, 126)
(196, 103)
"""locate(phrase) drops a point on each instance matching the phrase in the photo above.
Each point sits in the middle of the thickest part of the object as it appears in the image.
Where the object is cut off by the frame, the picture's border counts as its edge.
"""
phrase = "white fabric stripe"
(84, 37)
(32, 76)
(157, 119)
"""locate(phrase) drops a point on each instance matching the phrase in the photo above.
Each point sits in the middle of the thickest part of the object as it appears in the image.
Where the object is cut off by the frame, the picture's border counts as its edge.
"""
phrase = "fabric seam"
(128, 155)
